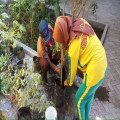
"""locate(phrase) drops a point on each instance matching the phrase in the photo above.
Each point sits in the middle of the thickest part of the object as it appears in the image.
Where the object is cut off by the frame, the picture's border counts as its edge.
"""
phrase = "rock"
(7, 109)
(78, 80)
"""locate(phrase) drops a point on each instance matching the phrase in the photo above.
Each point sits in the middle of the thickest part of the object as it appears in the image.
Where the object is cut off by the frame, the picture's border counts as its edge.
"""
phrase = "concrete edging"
(100, 26)
(104, 34)
(29, 51)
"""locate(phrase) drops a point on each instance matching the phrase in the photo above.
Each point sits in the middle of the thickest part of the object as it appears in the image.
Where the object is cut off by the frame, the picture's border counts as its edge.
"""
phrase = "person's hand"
(57, 70)
(66, 82)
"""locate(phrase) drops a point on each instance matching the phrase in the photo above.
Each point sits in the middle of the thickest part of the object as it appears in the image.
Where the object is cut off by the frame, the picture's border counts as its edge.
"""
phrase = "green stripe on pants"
(84, 98)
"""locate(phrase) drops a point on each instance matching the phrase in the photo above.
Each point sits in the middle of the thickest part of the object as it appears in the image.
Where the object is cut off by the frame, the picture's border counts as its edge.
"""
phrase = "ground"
(108, 12)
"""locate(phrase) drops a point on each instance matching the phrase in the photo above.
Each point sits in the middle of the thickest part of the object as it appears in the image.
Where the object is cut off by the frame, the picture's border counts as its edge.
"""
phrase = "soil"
(57, 94)
(102, 94)
(57, 91)
(38, 116)
(80, 73)
(64, 100)
(98, 32)
(25, 113)
(63, 97)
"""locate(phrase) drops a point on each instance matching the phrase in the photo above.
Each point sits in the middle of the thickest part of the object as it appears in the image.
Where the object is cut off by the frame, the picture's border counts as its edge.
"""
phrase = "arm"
(73, 53)
(40, 49)
(53, 66)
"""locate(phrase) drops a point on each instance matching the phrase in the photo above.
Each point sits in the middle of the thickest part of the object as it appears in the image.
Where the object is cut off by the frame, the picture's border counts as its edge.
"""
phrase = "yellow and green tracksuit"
(87, 54)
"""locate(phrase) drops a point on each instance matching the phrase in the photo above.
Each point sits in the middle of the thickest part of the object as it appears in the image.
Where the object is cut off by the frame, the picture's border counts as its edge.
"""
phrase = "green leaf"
(3, 46)
(42, 1)
(16, 5)
(18, 16)
(15, 23)
(56, 5)
(62, 3)
(24, 61)
(15, 0)
(14, 44)
(2, 6)
(22, 28)
(4, 16)
(18, 35)
(42, 98)
(11, 34)
(2, 24)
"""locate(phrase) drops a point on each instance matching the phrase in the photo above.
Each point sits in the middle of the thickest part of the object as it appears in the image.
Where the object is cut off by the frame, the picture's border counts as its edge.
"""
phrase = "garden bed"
(64, 98)
(9, 108)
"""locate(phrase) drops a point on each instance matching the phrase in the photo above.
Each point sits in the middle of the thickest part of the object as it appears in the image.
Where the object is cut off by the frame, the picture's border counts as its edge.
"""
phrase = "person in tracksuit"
(85, 52)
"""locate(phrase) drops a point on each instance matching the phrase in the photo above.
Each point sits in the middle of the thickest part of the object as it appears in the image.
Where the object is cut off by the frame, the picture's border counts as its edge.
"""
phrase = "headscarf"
(66, 29)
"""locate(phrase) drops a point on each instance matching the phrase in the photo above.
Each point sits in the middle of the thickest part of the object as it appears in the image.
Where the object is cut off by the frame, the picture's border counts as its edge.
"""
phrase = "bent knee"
(43, 63)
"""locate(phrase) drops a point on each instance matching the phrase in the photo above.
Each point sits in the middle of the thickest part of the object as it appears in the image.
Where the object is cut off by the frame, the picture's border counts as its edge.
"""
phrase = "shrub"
(22, 86)
(30, 13)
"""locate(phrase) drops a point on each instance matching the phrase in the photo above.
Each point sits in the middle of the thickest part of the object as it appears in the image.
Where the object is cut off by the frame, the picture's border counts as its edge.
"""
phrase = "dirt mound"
(102, 94)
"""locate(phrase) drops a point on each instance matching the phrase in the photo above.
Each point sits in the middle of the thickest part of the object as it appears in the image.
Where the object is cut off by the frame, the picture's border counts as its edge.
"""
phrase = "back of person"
(93, 57)
(90, 54)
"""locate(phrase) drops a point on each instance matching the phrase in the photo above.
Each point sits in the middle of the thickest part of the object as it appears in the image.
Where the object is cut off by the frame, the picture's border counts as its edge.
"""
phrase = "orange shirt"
(41, 45)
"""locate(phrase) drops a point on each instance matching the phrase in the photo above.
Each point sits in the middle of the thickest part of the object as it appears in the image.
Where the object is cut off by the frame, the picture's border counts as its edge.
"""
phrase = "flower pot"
(24, 113)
